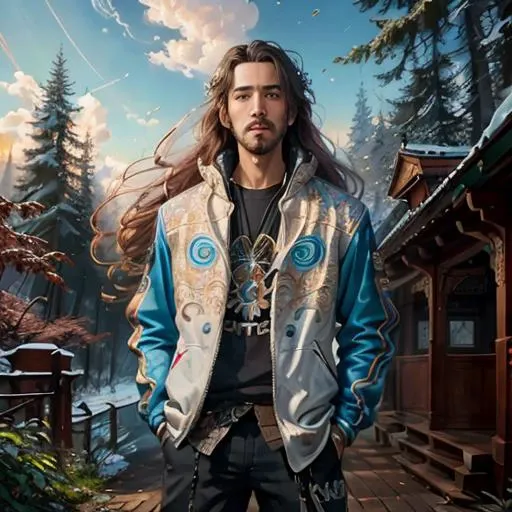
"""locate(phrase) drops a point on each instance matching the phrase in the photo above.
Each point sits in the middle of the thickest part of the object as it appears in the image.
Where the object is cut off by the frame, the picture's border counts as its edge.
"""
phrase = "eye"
(241, 97)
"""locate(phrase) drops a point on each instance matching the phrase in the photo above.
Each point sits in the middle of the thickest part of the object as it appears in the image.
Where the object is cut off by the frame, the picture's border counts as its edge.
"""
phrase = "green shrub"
(32, 478)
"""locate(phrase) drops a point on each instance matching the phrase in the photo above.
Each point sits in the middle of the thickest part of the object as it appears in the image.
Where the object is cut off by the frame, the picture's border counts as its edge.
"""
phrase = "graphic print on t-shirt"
(250, 294)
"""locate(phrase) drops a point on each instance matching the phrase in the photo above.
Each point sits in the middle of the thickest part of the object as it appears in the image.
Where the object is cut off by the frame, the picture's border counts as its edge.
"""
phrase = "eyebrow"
(246, 88)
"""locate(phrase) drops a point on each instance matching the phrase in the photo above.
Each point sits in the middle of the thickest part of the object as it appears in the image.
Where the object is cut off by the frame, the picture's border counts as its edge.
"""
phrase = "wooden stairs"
(457, 464)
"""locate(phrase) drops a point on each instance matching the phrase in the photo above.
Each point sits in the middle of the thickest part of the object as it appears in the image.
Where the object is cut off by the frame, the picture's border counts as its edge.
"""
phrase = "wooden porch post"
(502, 441)
(437, 338)
(495, 227)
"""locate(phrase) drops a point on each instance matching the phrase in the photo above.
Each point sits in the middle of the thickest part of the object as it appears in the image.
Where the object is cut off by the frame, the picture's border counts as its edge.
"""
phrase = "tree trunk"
(506, 57)
(481, 100)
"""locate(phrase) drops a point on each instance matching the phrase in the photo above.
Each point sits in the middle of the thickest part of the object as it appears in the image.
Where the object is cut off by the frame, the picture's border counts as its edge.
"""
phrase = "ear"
(292, 115)
(224, 118)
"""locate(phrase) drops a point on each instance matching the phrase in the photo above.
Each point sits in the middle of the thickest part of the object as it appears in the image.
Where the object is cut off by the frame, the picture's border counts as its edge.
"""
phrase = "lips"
(258, 127)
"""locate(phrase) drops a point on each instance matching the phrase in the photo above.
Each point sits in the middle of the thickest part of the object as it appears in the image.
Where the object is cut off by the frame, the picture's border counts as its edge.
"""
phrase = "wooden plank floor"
(375, 480)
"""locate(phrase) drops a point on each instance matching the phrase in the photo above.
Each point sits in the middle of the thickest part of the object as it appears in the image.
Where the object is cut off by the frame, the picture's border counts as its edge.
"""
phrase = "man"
(260, 254)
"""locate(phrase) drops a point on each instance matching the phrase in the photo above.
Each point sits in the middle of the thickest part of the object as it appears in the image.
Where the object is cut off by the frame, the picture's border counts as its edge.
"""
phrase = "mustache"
(260, 122)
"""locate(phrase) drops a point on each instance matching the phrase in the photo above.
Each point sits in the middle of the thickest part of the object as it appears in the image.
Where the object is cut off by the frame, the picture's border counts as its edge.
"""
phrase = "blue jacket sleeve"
(152, 313)
(365, 348)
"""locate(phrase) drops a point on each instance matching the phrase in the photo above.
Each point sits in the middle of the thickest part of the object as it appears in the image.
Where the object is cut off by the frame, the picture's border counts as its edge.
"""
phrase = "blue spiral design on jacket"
(202, 252)
(308, 252)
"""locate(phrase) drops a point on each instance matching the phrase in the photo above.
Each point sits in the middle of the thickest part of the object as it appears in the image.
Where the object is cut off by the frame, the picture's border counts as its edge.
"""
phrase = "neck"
(259, 171)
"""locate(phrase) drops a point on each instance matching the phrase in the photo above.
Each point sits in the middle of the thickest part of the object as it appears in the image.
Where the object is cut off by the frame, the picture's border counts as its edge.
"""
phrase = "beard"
(261, 143)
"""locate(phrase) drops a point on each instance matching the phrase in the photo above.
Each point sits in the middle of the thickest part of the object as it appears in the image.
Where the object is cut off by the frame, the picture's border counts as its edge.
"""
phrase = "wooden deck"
(375, 480)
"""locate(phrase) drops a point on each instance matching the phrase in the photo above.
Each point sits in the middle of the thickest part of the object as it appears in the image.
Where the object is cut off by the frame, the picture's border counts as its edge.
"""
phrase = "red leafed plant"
(18, 325)
(27, 253)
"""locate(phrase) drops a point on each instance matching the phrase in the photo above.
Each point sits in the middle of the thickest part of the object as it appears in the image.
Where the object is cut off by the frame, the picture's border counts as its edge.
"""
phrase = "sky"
(138, 66)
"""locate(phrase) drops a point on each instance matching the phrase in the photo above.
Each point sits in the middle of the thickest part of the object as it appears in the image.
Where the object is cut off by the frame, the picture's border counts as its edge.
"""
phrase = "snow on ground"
(497, 32)
(112, 465)
(123, 394)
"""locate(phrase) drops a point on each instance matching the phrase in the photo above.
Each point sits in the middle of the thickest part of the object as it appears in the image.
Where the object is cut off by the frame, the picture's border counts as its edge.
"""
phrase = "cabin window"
(422, 334)
(462, 333)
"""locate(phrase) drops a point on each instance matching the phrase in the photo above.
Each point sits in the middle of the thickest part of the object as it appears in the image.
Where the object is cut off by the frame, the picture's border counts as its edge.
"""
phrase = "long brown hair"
(137, 225)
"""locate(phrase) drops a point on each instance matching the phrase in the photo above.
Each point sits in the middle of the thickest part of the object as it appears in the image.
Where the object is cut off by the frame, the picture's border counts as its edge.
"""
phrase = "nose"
(258, 106)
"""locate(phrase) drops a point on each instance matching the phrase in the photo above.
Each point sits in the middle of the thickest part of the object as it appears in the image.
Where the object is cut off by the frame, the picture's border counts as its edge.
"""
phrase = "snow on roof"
(17, 373)
(501, 113)
(36, 346)
(433, 150)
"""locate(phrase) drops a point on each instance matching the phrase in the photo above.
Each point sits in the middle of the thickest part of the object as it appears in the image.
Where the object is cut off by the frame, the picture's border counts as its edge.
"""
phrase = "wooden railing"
(56, 386)
(88, 419)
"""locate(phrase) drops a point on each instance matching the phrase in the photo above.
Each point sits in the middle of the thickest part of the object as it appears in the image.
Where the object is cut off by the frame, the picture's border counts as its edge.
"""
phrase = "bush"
(31, 477)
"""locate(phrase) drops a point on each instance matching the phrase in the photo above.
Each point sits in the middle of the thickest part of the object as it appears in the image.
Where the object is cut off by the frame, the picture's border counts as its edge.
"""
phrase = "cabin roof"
(467, 173)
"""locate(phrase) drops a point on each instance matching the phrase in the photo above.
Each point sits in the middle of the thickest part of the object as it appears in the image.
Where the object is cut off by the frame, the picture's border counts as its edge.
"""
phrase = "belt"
(226, 417)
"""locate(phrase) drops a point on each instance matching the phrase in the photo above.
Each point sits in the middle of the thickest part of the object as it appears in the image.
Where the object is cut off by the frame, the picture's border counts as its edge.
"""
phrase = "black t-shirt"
(243, 369)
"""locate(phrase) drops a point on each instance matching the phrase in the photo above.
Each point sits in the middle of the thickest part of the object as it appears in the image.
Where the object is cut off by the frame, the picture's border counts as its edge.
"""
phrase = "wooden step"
(435, 480)
(473, 449)
(384, 427)
(453, 467)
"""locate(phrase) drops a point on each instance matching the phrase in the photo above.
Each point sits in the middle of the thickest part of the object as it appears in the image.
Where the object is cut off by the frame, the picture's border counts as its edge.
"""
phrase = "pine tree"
(47, 170)
(360, 139)
(50, 177)
(382, 158)
(497, 43)
(427, 112)
(478, 86)
(85, 181)
(362, 128)
(425, 26)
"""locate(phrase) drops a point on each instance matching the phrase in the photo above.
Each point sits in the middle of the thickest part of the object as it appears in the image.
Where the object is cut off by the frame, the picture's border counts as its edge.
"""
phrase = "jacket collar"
(301, 168)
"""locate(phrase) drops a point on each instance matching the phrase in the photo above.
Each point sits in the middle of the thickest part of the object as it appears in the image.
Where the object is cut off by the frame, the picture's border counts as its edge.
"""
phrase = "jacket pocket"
(319, 353)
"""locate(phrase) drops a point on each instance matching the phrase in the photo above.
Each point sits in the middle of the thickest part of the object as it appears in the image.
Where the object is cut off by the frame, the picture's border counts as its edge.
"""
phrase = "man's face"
(257, 110)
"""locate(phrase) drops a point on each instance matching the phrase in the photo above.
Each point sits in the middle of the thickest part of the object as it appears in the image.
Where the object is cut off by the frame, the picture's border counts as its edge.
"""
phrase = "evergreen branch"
(400, 32)
(393, 33)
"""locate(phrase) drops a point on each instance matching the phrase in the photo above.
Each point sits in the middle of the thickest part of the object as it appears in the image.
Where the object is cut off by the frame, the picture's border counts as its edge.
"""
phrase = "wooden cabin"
(448, 401)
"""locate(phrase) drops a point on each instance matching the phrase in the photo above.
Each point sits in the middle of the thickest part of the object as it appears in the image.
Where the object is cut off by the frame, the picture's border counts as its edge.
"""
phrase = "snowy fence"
(41, 395)
(100, 431)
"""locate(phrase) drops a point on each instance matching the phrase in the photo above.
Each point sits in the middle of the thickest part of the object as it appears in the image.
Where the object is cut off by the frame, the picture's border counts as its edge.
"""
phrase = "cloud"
(108, 169)
(25, 88)
(207, 28)
(143, 121)
(104, 30)
(16, 130)
(93, 119)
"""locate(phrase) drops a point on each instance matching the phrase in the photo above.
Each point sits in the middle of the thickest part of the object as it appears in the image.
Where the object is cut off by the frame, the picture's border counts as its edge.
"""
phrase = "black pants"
(243, 463)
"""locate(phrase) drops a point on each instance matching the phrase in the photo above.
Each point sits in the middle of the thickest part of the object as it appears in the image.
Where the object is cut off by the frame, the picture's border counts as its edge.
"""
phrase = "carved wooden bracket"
(380, 270)
(490, 205)
(489, 228)
(423, 285)
(498, 259)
